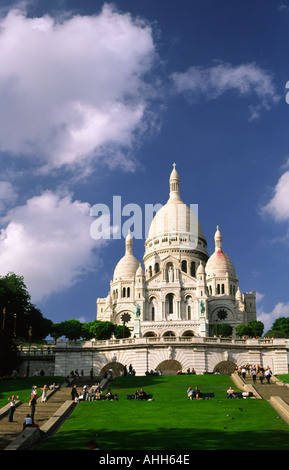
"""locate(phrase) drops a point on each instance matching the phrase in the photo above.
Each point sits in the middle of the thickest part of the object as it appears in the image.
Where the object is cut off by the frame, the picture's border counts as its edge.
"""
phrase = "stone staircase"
(44, 411)
(268, 390)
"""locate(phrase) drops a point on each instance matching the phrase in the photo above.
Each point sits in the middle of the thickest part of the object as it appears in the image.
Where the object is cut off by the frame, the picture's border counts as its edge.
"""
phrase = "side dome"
(128, 265)
(219, 263)
(140, 271)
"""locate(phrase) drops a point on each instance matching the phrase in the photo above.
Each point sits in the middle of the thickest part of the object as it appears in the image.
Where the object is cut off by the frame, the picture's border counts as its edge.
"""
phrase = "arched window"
(152, 308)
(123, 291)
(218, 288)
(128, 292)
(184, 266)
(189, 313)
(157, 268)
(170, 303)
(193, 269)
(150, 271)
(223, 288)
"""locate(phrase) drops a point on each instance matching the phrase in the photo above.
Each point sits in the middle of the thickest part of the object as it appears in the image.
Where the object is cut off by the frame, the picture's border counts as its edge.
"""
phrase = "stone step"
(268, 390)
(44, 411)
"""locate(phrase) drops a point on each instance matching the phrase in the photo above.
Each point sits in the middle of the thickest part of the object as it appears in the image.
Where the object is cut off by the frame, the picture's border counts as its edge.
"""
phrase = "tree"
(72, 329)
(243, 330)
(223, 329)
(9, 359)
(280, 328)
(257, 328)
(89, 329)
(104, 330)
(18, 314)
(121, 331)
(56, 331)
(252, 329)
(274, 334)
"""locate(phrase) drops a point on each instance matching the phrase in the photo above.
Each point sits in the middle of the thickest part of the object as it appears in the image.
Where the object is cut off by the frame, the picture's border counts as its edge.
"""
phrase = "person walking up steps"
(12, 407)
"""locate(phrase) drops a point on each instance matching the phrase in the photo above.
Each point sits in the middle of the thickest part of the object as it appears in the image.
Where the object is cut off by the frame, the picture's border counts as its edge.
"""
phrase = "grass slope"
(22, 386)
(171, 421)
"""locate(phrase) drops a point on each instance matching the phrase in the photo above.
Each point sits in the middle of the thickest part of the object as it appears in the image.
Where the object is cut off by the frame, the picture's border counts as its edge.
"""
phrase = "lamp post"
(3, 319)
(30, 338)
(14, 327)
(216, 325)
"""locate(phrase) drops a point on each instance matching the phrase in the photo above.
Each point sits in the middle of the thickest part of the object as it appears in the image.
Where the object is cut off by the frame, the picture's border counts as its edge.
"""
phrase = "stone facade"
(168, 354)
(181, 290)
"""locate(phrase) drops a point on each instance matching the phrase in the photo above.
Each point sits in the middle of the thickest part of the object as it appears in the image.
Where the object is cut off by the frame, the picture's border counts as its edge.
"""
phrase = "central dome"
(175, 217)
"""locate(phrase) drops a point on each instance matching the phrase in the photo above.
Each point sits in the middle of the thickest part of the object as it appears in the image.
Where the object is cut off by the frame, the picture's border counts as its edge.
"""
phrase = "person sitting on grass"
(98, 394)
(190, 393)
(196, 393)
(109, 395)
(142, 394)
(230, 393)
(136, 395)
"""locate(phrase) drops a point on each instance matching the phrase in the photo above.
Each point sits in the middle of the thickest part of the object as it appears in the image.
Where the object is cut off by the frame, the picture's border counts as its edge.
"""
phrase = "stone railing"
(36, 350)
(171, 339)
(51, 350)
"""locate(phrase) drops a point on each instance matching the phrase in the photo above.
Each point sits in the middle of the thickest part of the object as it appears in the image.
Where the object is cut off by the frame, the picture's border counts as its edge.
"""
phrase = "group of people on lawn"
(194, 394)
(197, 395)
(94, 393)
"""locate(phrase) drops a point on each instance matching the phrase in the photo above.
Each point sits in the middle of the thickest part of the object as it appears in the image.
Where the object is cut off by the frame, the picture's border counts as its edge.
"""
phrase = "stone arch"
(225, 367)
(188, 333)
(169, 333)
(118, 316)
(223, 308)
(169, 367)
(116, 368)
(150, 334)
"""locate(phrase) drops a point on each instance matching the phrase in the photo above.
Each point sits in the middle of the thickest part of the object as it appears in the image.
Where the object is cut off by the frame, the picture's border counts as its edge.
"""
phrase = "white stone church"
(182, 290)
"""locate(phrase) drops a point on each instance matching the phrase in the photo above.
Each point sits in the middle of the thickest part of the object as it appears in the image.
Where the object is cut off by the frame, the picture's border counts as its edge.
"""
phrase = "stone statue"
(170, 274)
(202, 307)
(137, 310)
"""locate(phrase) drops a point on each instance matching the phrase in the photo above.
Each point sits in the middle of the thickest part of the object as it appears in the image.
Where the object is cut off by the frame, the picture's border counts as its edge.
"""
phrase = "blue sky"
(99, 99)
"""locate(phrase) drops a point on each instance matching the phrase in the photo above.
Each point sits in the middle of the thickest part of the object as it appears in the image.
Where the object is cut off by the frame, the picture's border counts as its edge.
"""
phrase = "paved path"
(44, 411)
(266, 391)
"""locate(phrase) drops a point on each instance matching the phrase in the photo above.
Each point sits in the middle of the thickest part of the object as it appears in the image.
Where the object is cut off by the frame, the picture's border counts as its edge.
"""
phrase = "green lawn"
(22, 387)
(171, 421)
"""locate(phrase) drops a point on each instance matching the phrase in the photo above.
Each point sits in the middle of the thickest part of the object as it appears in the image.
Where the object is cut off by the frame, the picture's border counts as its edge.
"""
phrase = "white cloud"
(48, 241)
(8, 194)
(259, 297)
(213, 81)
(278, 206)
(69, 89)
(281, 309)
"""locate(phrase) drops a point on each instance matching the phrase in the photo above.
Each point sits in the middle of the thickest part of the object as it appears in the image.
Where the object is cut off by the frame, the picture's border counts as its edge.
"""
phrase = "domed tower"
(122, 289)
(225, 302)
(181, 291)
(220, 271)
(174, 248)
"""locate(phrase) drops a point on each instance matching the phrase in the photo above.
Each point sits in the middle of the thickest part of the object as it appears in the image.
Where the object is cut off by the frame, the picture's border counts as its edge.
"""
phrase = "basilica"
(180, 290)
